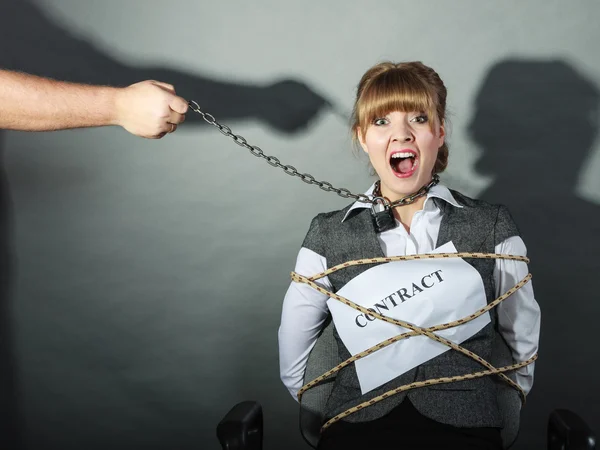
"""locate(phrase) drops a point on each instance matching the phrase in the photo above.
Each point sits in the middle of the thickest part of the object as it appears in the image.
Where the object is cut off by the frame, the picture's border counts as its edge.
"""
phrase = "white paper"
(423, 292)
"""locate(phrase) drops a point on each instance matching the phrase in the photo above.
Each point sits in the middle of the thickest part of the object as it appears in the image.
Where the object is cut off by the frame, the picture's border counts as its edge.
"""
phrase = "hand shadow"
(535, 122)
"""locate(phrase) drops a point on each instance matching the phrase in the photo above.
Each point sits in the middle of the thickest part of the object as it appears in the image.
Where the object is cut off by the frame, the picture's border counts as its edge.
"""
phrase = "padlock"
(382, 215)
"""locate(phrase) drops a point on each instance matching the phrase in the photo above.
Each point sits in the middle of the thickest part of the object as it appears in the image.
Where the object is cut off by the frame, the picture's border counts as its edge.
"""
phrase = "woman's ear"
(442, 133)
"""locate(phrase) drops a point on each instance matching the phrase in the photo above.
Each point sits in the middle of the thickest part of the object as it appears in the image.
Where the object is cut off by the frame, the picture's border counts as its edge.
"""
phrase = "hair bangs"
(395, 90)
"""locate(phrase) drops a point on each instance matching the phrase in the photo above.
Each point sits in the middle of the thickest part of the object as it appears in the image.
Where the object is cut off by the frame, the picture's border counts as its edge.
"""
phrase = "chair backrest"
(242, 427)
(568, 431)
(324, 356)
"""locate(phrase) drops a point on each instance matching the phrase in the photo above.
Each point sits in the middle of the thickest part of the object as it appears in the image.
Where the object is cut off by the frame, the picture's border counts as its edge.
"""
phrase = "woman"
(399, 121)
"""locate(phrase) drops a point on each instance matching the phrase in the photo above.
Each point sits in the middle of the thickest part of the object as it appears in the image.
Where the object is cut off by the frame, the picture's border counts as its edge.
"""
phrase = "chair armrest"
(242, 427)
(568, 431)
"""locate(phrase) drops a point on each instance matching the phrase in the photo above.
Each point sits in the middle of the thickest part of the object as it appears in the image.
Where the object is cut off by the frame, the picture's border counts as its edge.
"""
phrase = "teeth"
(403, 155)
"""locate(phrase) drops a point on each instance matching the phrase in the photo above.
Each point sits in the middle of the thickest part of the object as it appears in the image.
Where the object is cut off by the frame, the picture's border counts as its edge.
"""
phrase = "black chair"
(568, 431)
(242, 429)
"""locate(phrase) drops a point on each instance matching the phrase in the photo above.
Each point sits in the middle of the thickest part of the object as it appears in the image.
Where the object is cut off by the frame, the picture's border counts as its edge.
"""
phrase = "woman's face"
(403, 150)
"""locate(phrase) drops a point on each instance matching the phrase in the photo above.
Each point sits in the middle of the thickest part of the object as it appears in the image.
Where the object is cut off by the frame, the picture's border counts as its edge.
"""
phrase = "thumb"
(178, 104)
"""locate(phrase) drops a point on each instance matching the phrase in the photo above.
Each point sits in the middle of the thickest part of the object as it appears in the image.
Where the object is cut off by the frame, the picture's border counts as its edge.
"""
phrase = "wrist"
(115, 102)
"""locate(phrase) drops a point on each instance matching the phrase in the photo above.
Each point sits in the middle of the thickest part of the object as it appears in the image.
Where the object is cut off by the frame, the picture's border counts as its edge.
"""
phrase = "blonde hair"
(408, 86)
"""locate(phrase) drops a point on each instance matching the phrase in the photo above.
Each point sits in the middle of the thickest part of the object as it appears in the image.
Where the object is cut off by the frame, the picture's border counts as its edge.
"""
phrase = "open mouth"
(403, 163)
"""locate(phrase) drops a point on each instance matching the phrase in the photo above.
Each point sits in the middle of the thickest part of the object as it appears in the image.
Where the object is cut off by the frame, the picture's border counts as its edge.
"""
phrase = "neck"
(405, 207)
(404, 214)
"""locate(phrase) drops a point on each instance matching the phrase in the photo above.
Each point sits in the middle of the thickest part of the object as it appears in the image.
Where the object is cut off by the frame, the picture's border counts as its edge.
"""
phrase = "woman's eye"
(380, 121)
(421, 118)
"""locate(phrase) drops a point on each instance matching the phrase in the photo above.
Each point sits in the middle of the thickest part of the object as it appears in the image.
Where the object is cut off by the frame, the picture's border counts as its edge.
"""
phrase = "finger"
(167, 86)
(165, 128)
(178, 105)
(176, 118)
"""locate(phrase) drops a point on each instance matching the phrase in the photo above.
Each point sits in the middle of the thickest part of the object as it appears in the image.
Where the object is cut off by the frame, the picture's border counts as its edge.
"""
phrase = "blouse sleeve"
(519, 315)
(303, 315)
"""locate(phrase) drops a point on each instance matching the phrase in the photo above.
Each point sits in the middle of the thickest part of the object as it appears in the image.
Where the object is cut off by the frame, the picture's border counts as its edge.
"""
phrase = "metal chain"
(272, 160)
(409, 198)
(306, 177)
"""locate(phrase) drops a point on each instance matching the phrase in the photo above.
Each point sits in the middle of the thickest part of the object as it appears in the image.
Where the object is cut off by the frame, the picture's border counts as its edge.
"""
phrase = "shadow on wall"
(31, 42)
(536, 122)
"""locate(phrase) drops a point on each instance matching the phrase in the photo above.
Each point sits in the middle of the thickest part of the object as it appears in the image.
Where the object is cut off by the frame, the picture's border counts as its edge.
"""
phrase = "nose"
(402, 133)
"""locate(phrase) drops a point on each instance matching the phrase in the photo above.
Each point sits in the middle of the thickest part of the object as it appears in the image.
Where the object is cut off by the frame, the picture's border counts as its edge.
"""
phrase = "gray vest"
(477, 227)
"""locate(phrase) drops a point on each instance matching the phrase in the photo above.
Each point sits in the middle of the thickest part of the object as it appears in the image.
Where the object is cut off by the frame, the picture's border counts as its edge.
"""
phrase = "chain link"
(409, 198)
(273, 161)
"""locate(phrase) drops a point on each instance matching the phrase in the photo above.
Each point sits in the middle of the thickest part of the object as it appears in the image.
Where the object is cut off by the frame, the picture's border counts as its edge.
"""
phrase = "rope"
(429, 332)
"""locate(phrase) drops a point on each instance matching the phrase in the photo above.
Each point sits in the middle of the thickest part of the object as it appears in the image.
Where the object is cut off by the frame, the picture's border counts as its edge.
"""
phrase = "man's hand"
(149, 109)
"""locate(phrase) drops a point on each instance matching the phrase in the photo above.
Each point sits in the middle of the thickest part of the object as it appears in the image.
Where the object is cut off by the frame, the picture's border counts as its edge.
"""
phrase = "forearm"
(31, 103)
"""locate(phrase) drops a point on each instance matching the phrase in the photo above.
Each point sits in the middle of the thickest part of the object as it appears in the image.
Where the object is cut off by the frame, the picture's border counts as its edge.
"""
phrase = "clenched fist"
(149, 109)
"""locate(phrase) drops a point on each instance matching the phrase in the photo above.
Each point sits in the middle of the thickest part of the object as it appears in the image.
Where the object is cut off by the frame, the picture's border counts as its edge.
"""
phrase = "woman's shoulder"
(471, 202)
(329, 220)
(326, 226)
(479, 210)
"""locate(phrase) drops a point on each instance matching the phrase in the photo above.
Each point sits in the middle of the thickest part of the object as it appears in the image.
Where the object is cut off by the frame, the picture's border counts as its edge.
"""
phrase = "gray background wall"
(143, 280)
